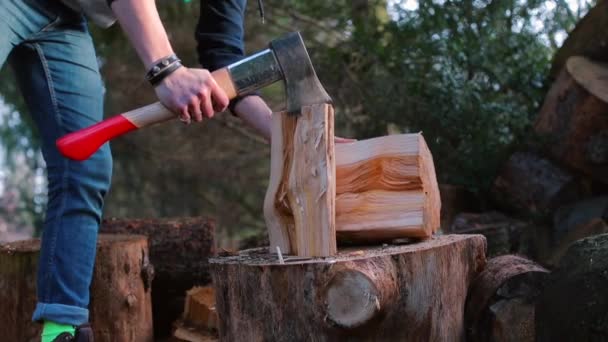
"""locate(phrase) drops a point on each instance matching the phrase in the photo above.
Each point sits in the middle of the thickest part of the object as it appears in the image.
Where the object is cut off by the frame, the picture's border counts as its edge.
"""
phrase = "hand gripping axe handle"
(286, 59)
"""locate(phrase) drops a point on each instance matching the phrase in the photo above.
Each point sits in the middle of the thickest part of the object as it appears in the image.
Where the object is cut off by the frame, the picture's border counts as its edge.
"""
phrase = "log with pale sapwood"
(179, 249)
(501, 300)
(412, 292)
(120, 307)
(574, 118)
(385, 188)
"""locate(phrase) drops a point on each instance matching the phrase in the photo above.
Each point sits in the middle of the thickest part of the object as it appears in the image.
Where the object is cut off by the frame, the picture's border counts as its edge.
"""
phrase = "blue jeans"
(52, 54)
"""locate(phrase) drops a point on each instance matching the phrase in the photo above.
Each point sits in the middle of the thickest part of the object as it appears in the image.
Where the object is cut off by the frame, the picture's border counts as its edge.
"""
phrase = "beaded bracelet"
(163, 68)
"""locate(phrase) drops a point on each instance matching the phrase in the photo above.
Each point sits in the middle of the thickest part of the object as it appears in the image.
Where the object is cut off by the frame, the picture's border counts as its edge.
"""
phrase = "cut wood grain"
(299, 207)
(386, 188)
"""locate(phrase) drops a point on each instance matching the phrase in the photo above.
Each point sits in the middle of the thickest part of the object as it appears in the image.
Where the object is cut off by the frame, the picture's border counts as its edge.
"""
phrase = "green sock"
(50, 330)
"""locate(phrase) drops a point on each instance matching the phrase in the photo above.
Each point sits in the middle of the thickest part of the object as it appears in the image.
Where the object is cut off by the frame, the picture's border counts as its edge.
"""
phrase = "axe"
(286, 59)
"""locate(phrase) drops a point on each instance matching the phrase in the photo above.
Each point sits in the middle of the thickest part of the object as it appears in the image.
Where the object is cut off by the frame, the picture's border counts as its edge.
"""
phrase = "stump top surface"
(21, 246)
(261, 256)
(33, 245)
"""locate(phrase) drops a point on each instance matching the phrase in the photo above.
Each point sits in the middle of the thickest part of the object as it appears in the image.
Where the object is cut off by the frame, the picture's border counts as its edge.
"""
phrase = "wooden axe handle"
(81, 144)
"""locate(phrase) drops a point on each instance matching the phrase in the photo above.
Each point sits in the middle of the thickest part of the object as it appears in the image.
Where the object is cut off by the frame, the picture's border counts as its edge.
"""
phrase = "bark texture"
(500, 304)
(574, 124)
(395, 293)
(179, 249)
(534, 185)
(120, 307)
(573, 305)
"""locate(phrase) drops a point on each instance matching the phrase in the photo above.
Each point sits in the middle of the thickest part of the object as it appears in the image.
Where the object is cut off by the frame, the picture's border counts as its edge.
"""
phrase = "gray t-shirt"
(97, 11)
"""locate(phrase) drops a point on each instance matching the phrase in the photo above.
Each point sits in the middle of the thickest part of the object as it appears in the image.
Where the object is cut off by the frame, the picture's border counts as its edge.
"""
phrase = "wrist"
(162, 68)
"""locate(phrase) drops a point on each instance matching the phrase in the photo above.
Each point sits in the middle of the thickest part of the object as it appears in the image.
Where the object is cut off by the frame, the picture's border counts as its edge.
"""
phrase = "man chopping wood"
(50, 48)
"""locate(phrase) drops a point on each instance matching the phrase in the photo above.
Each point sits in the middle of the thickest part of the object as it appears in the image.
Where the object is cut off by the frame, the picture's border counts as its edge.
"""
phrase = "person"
(49, 46)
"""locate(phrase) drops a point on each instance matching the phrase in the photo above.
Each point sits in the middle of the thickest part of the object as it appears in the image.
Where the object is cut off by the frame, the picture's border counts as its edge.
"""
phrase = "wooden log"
(500, 303)
(503, 234)
(386, 188)
(179, 249)
(574, 122)
(396, 293)
(534, 185)
(199, 320)
(455, 199)
(302, 183)
(573, 305)
(120, 307)
(588, 38)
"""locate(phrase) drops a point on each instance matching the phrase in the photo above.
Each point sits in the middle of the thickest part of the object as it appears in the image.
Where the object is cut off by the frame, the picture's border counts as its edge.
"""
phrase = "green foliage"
(469, 74)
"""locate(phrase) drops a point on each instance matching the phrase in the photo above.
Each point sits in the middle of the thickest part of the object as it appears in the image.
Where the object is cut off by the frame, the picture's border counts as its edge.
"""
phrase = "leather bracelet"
(157, 78)
(160, 65)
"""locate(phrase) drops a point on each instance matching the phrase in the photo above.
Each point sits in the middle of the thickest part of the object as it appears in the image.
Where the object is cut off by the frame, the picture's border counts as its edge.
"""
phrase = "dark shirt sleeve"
(219, 33)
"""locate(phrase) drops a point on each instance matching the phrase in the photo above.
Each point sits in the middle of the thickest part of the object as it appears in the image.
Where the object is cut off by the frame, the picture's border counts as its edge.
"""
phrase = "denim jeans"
(52, 54)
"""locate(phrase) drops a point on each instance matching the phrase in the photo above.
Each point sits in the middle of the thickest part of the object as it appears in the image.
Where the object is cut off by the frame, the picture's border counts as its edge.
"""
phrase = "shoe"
(84, 333)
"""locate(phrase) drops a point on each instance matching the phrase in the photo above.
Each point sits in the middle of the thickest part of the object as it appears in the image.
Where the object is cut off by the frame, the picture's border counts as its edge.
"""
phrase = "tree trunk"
(179, 249)
(573, 305)
(575, 124)
(500, 303)
(394, 293)
(120, 308)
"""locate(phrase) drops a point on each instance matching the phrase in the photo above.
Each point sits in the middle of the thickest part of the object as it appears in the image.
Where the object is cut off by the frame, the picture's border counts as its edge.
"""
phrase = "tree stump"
(500, 304)
(120, 308)
(393, 293)
(179, 249)
(574, 305)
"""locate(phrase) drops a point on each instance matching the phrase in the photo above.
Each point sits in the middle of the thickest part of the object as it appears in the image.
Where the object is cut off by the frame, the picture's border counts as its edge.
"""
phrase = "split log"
(503, 234)
(501, 300)
(199, 320)
(386, 188)
(573, 305)
(396, 293)
(299, 207)
(534, 185)
(574, 121)
(120, 308)
(179, 249)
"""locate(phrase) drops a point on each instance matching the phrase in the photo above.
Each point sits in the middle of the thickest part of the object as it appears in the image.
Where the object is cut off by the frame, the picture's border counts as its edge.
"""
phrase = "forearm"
(141, 23)
(256, 113)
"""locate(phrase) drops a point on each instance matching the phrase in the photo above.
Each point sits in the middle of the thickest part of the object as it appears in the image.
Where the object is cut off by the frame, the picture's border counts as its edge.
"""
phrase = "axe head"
(302, 86)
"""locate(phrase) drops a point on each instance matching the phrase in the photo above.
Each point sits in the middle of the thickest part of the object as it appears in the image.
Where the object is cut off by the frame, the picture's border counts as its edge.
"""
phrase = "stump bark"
(395, 293)
(179, 249)
(500, 303)
(120, 308)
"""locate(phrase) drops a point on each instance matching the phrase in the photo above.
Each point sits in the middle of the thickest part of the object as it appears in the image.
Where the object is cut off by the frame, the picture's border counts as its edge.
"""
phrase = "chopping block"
(411, 292)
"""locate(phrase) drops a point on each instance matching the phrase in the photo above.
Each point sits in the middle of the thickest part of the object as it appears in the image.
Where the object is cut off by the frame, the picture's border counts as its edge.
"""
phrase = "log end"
(352, 300)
